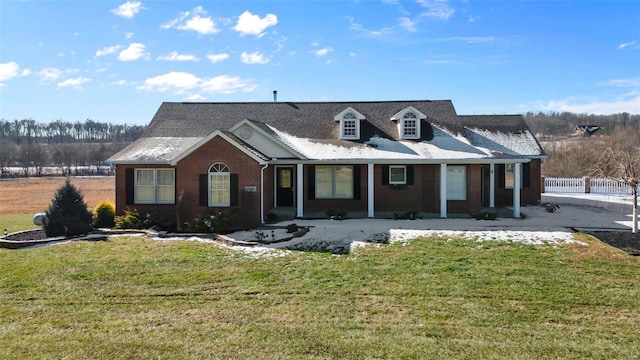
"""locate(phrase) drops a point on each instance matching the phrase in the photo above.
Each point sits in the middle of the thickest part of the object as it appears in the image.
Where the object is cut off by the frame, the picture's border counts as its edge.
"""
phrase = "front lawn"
(132, 297)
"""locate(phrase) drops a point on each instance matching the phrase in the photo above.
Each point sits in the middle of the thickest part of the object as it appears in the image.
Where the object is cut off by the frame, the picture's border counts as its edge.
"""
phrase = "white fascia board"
(210, 137)
(266, 134)
(133, 162)
(401, 161)
(401, 113)
(340, 115)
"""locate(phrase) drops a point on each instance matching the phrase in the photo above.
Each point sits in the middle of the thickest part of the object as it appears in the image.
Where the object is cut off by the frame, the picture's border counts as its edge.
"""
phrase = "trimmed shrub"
(133, 219)
(218, 222)
(68, 214)
(104, 215)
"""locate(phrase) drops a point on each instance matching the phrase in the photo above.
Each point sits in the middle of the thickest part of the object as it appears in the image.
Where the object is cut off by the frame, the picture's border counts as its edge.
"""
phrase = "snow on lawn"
(523, 237)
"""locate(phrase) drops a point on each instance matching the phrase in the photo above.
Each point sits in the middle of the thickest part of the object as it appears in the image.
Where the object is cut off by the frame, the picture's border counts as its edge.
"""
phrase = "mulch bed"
(624, 240)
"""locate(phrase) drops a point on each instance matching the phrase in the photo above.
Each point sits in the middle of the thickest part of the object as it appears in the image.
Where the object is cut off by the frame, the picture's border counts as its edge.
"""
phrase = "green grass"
(16, 222)
(132, 298)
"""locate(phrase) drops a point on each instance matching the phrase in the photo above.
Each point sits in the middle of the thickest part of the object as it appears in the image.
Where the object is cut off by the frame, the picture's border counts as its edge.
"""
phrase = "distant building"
(585, 130)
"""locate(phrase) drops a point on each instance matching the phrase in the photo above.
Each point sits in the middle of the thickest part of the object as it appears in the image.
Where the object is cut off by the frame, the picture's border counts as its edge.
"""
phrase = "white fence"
(585, 185)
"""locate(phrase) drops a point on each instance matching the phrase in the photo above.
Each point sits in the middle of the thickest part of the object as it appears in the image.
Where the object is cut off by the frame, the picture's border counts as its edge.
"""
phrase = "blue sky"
(117, 61)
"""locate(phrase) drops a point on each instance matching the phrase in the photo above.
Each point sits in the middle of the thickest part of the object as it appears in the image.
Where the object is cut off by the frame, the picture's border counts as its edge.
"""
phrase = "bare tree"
(621, 161)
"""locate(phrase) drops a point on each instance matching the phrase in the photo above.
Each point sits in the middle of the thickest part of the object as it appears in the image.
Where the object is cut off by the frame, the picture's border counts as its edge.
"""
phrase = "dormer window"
(409, 126)
(349, 124)
(409, 122)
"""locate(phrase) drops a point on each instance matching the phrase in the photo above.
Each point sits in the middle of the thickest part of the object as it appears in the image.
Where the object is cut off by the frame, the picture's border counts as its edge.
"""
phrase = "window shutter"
(203, 185)
(526, 175)
(385, 174)
(233, 189)
(500, 168)
(409, 174)
(356, 182)
(129, 185)
(311, 182)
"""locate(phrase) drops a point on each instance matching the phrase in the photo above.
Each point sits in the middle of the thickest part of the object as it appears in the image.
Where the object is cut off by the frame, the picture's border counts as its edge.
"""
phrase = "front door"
(284, 186)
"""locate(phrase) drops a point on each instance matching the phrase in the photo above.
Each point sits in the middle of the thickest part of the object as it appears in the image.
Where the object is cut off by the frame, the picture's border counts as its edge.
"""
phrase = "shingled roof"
(309, 129)
(312, 120)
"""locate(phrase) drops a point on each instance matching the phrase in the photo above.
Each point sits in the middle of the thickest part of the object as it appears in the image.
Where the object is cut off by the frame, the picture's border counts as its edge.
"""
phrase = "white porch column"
(370, 192)
(443, 191)
(516, 190)
(492, 185)
(299, 190)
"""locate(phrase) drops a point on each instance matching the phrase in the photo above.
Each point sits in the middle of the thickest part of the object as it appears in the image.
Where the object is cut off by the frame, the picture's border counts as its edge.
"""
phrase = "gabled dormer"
(349, 124)
(409, 120)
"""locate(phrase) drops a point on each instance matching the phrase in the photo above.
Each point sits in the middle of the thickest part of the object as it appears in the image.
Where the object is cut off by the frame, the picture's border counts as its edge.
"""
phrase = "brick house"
(277, 160)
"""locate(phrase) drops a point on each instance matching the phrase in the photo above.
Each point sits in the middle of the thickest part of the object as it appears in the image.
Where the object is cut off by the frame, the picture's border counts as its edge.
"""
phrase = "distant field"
(21, 198)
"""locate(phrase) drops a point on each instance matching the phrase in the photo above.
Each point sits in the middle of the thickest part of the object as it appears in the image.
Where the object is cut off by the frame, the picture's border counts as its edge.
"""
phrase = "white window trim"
(228, 183)
(404, 169)
(333, 183)
(154, 186)
(341, 118)
(400, 117)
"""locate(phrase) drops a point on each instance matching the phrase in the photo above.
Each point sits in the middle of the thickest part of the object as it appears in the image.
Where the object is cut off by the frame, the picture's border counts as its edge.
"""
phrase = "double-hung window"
(397, 174)
(155, 186)
(219, 185)
(334, 182)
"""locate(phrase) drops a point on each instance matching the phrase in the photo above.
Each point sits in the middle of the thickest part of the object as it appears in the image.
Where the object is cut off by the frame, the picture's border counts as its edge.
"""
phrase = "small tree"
(68, 214)
(621, 161)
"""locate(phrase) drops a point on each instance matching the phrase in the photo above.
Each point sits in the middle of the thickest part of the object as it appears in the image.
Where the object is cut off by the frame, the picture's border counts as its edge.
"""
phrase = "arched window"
(219, 185)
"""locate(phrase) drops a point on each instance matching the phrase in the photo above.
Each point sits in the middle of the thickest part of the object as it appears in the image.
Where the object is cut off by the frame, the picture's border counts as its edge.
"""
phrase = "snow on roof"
(157, 150)
(523, 143)
(444, 145)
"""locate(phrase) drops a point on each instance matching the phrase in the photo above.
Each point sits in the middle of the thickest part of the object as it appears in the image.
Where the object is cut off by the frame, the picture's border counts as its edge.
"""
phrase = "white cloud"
(228, 84)
(179, 82)
(626, 45)
(122, 83)
(52, 74)
(193, 21)
(468, 39)
(323, 51)
(631, 82)
(407, 24)
(438, 9)
(594, 106)
(370, 33)
(108, 50)
(128, 35)
(254, 58)
(353, 54)
(135, 51)
(8, 71)
(128, 10)
(174, 80)
(74, 83)
(195, 97)
(174, 56)
(250, 24)
(215, 58)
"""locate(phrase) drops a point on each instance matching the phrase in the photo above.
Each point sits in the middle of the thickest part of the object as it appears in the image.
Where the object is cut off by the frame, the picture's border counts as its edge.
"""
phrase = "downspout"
(262, 192)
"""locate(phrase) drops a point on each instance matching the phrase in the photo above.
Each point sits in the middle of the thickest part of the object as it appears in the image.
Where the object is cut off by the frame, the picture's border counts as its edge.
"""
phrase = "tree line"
(60, 132)
(552, 124)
